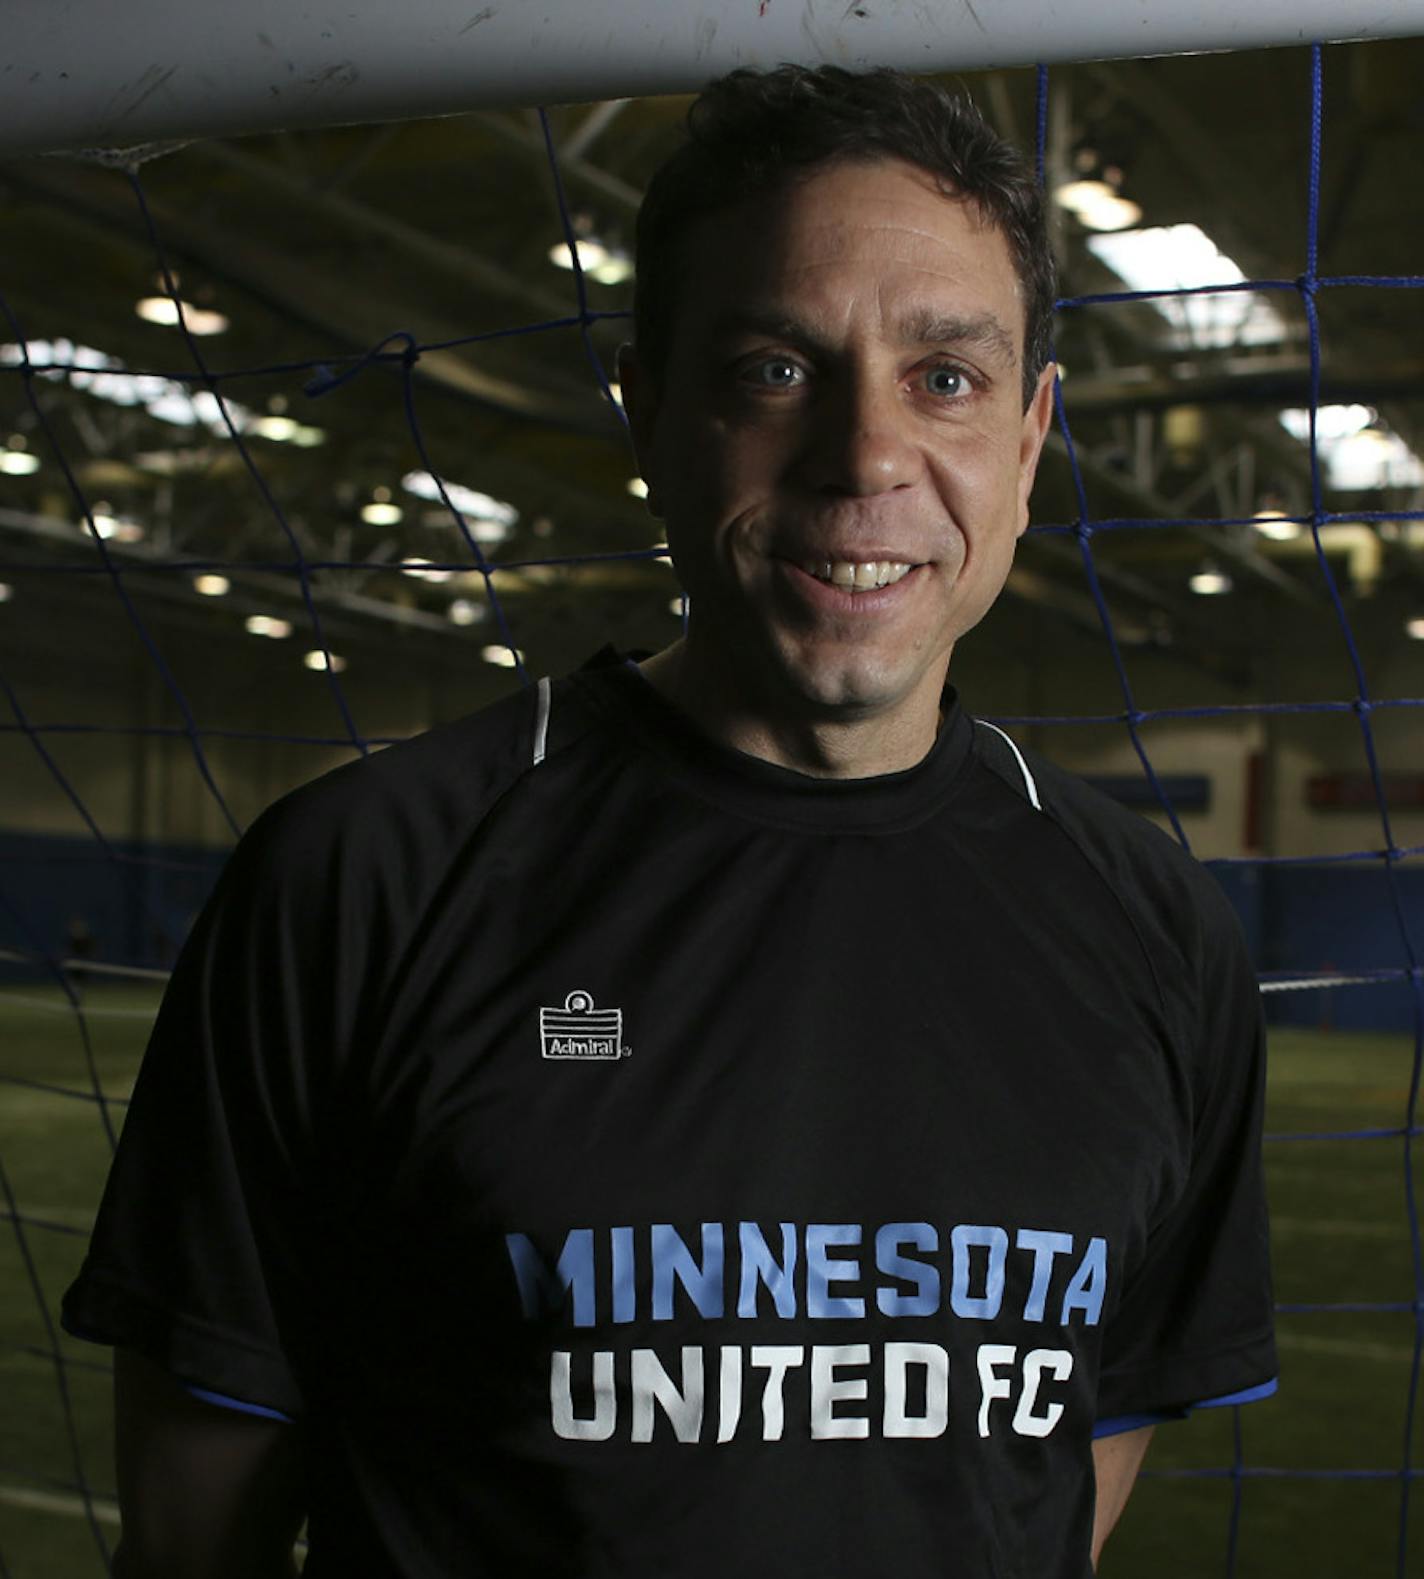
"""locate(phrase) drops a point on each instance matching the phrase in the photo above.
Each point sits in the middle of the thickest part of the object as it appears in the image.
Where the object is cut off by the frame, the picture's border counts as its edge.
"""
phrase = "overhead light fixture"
(1184, 258)
(381, 513)
(114, 528)
(637, 487)
(15, 458)
(1098, 205)
(678, 606)
(7, 592)
(465, 612)
(212, 585)
(424, 570)
(470, 502)
(278, 428)
(614, 269)
(591, 254)
(267, 625)
(323, 661)
(1275, 525)
(500, 656)
(1414, 629)
(163, 310)
(1210, 582)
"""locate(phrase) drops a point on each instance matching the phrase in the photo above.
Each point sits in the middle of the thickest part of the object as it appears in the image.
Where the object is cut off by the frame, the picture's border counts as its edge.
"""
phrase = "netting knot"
(1082, 530)
(1308, 283)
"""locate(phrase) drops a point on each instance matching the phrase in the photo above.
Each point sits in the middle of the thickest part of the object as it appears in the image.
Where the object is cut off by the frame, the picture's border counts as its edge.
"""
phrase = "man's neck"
(860, 746)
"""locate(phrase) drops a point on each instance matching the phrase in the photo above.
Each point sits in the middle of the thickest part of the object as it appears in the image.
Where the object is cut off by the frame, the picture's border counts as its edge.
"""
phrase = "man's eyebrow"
(927, 327)
(918, 327)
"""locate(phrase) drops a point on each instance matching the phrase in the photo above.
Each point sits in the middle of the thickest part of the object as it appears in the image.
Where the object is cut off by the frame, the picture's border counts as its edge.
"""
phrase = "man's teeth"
(859, 576)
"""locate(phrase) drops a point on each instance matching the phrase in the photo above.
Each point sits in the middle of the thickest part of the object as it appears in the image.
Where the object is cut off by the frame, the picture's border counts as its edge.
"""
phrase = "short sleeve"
(201, 1253)
(1196, 1318)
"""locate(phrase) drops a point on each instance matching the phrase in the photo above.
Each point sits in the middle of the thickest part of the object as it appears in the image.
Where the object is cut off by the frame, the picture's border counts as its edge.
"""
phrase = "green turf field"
(1340, 1235)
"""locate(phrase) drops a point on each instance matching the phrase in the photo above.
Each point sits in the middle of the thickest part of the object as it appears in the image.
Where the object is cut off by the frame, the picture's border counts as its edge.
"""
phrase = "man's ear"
(1036, 421)
(640, 403)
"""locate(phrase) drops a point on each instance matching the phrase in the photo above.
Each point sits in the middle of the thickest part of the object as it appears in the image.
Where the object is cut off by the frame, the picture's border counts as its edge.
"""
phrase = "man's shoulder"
(1154, 877)
(413, 801)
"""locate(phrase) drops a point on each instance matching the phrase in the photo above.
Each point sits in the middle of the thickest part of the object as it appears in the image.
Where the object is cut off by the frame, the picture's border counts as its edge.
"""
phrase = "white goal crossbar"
(81, 74)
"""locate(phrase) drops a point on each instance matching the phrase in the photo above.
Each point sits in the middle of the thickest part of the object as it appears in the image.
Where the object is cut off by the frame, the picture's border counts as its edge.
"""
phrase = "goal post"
(84, 74)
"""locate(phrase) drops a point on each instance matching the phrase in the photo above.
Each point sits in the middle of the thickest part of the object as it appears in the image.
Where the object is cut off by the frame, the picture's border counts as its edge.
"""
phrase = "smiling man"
(734, 1114)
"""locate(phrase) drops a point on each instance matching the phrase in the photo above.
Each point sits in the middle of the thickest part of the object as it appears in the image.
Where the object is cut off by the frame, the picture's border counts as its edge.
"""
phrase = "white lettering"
(561, 1402)
(777, 1359)
(827, 1391)
(682, 1405)
(899, 1357)
(1060, 1363)
(992, 1385)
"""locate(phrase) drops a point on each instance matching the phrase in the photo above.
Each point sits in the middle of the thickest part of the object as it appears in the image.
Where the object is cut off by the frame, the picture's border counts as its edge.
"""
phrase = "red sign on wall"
(1356, 791)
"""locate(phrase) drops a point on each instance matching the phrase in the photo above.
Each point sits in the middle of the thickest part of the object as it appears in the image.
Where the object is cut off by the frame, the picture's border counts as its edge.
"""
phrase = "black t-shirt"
(622, 1156)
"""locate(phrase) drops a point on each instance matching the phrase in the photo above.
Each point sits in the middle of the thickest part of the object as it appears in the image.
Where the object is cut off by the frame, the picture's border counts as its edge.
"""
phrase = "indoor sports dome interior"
(309, 441)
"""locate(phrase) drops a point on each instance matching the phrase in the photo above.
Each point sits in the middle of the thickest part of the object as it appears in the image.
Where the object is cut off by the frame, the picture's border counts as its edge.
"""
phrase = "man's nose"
(861, 443)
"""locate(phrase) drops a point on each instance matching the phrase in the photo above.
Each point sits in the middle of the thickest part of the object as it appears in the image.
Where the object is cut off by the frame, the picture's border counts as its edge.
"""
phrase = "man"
(736, 1116)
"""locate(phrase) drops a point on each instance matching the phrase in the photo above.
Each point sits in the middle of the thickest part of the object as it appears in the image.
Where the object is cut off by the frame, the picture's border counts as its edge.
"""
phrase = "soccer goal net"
(310, 438)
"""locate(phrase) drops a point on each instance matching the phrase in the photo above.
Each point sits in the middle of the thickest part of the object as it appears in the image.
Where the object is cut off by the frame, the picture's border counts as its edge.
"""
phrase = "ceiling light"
(379, 513)
(279, 429)
(614, 269)
(18, 463)
(1098, 205)
(591, 255)
(464, 612)
(324, 661)
(7, 592)
(212, 586)
(306, 437)
(1273, 524)
(500, 656)
(616, 390)
(470, 502)
(637, 487)
(678, 606)
(1415, 629)
(110, 526)
(164, 310)
(1210, 583)
(1184, 258)
(266, 625)
(423, 570)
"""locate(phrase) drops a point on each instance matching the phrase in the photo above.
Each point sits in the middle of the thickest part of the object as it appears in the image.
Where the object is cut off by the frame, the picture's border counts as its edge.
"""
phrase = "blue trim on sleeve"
(1120, 1423)
(1117, 1424)
(1248, 1395)
(224, 1402)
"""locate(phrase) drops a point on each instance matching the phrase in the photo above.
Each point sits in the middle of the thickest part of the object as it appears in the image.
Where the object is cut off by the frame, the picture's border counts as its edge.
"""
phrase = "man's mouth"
(857, 575)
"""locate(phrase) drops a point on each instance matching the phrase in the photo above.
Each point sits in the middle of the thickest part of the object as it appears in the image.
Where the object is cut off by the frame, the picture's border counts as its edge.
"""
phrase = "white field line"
(58, 1502)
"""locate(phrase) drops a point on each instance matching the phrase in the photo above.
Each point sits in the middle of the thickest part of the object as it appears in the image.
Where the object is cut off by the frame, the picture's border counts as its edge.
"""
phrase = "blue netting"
(398, 354)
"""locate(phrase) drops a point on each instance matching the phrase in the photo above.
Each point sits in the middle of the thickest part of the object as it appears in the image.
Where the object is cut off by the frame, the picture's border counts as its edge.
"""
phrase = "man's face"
(837, 440)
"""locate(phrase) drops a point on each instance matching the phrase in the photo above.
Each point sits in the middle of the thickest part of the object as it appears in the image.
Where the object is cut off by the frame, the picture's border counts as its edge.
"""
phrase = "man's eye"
(946, 380)
(776, 372)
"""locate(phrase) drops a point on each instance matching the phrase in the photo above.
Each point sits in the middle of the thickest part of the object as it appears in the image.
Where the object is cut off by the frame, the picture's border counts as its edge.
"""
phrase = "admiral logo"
(579, 1031)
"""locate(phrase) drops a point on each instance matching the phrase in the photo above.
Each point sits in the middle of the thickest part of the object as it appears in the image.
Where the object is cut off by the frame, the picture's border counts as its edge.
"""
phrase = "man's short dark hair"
(750, 131)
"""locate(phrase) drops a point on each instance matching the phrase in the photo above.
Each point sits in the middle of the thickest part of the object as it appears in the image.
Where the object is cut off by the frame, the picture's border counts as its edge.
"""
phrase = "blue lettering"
(1045, 1246)
(822, 1270)
(674, 1263)
(542, 1292)
(964, 1239)
(625, 1275)
(1089, 1284)
(758, 1264)
(925, 1300)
